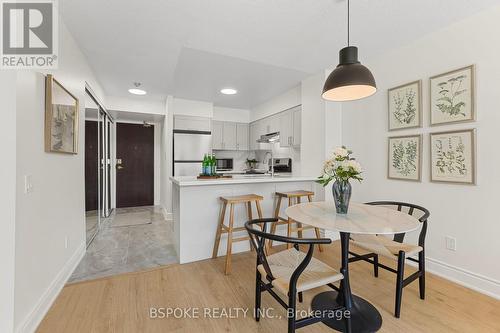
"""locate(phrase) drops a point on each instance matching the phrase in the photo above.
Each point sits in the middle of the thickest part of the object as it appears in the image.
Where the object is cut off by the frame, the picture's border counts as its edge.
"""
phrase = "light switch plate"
(28, 184)
(451, 243)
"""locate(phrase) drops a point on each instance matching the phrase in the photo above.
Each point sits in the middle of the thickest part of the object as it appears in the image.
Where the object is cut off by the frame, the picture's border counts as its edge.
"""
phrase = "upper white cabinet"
(286, 129)
(254, 135)
(217, 134)
(190, 123)
(288, 123)
(297, 127)
(290, 127)
(242, 133)
(229, 136)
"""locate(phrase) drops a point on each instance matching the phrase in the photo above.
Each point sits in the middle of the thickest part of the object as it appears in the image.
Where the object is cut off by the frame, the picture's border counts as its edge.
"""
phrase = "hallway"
(130, 240)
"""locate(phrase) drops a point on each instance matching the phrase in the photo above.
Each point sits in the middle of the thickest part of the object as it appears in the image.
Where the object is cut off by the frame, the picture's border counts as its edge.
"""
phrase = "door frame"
(156, 162)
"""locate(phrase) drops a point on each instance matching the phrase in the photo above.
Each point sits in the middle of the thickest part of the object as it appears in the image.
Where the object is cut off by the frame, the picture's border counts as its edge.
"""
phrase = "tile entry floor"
(131, 239)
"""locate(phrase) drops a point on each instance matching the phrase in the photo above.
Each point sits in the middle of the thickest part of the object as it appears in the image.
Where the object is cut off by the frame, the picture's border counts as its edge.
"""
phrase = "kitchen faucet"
(272, 161)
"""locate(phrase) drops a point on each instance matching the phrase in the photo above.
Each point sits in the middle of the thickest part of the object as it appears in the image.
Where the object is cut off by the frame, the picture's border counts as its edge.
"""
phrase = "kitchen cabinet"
(288, 123)
(297, 127)
(254, 135)
(217, 134)
(290, 128)
(270, 124)
(286, 129)
(229, 135)
(190, 123)
(242, 133)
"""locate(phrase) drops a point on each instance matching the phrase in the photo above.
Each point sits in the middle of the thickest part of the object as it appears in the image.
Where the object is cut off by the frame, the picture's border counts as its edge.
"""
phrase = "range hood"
(269, 138)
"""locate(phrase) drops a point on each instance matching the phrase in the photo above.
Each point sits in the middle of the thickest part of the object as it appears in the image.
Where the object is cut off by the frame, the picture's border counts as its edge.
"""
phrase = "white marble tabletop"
(360, 219)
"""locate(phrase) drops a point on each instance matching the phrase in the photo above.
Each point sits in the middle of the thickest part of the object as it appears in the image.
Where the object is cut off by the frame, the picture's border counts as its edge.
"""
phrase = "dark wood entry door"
(91, 156)
(135, 173)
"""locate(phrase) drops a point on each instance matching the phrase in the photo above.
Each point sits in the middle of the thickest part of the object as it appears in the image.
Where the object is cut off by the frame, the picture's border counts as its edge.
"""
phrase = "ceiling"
(193, 48)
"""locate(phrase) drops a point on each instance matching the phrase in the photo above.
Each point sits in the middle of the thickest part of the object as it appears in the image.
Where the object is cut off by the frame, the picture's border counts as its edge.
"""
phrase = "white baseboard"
(463, 277)
(31, 322)
(166, 215)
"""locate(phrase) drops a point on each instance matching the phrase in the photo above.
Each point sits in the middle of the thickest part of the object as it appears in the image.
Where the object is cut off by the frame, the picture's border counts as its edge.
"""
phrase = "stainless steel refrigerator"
(189, 149)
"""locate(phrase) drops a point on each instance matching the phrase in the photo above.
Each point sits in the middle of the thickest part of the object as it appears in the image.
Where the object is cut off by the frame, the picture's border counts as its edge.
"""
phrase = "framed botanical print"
(405, 106)
(452, 96)
(405, 157)
(453, 156)
(61, 118)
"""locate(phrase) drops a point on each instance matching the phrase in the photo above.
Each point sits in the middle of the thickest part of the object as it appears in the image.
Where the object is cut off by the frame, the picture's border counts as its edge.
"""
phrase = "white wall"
(140, 104)
(55, 210)
(8, 199)
(287, 100)
(313, 125)
(188, 107)
(231, 114)
(468, 213)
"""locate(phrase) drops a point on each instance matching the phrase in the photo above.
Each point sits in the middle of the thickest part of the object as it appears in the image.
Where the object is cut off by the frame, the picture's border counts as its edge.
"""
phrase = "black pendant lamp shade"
(350, 80)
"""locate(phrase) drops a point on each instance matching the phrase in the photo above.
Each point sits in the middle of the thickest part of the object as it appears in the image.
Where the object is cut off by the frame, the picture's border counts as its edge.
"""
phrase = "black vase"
(341, 195)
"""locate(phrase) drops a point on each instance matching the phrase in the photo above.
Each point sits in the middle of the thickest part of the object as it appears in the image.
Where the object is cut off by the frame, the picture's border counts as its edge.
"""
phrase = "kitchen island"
(196, 208)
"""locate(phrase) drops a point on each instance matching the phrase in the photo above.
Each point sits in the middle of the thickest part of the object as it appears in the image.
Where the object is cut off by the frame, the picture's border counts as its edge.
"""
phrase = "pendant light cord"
(348, 23)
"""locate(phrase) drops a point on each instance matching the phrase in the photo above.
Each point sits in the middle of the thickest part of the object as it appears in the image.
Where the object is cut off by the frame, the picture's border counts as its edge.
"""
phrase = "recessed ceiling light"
(228, 91)
(136, 90)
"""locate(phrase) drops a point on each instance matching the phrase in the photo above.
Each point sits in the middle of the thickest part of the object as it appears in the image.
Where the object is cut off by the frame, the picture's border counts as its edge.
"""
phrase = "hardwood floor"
(122, 303)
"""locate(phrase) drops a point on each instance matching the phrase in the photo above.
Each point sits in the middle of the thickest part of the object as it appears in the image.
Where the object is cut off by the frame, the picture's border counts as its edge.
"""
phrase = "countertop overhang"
(183, 181)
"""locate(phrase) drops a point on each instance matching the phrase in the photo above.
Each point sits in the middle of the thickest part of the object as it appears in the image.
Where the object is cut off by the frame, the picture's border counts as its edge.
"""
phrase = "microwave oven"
(224, 164)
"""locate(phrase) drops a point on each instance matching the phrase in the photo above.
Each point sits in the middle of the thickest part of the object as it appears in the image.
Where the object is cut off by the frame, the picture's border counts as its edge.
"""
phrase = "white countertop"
(239, 179)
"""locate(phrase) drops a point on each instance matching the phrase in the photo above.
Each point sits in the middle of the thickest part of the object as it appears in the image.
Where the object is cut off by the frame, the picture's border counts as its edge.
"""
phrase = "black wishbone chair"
(397, 250)
(290, 272)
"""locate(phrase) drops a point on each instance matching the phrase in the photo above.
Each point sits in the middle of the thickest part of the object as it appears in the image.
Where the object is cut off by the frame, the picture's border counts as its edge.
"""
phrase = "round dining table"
(360, 219)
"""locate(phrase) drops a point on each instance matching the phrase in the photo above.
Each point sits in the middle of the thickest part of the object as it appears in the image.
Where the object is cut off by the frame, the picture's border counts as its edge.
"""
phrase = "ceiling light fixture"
(229, 91)
(136, 90)
(350, 80)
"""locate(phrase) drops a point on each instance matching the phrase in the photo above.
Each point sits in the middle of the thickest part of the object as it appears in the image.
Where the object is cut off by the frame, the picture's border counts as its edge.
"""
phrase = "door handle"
(119, 167)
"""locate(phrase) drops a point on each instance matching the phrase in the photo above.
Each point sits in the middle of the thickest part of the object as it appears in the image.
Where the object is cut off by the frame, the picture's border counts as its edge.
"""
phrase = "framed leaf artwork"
(405, 106)
(405, 157)
(452, 96)
(61, 118)
(453, 156)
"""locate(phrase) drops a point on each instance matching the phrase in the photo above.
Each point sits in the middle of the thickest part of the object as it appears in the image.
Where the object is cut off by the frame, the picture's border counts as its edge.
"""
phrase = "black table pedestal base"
(364, 316)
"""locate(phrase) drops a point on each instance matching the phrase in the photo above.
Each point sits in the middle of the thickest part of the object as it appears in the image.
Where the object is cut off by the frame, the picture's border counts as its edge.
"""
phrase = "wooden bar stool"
(294, 197)
(222, 228)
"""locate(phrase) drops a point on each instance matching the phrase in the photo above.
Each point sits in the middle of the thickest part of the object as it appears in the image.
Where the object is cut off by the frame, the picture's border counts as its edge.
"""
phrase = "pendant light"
(349, 80)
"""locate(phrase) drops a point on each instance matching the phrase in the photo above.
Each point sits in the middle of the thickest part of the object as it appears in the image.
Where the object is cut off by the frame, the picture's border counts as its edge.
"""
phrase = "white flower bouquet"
(340, 167)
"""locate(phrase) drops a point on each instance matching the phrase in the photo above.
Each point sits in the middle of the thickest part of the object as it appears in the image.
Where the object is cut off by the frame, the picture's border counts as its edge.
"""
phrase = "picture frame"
(404, 105)
(405, 157)
(452, 96)
(456, 168)
(61, 118)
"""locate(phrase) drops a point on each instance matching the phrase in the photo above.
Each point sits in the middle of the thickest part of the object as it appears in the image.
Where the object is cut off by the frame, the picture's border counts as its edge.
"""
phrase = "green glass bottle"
(214, 165)
(204, 165)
